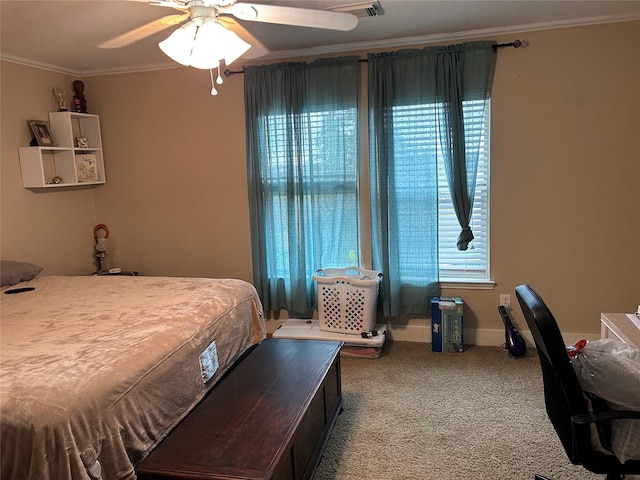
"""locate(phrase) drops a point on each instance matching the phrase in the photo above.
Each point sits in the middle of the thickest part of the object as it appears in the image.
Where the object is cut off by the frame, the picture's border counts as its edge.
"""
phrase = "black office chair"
(566, 403)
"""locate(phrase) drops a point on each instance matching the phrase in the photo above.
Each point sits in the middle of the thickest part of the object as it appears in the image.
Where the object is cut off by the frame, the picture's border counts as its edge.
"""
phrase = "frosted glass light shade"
(208, 45)
(178, 45)
(234, 46)
(204, 45)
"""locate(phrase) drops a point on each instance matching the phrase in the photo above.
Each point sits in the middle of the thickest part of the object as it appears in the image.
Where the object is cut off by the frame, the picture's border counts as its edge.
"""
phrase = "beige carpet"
(414, 414)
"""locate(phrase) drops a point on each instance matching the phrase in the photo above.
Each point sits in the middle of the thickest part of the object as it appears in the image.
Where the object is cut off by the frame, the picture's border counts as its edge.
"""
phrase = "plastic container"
(347, 299)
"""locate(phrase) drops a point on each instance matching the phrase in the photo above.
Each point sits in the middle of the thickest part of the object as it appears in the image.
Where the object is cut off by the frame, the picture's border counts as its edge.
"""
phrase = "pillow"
(15, 272)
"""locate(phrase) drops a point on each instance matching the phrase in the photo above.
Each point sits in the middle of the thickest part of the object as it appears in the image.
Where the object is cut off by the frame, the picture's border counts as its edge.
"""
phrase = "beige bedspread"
(95, 371)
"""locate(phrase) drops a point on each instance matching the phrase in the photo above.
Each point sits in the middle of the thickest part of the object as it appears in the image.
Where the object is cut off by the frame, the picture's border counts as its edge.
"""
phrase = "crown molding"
(88, 73)
(350, 47)
(456, 36)
(135, 69)
(42, 66)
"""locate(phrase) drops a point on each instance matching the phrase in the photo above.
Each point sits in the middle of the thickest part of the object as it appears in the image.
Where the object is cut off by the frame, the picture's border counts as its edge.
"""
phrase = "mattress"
(97, 370)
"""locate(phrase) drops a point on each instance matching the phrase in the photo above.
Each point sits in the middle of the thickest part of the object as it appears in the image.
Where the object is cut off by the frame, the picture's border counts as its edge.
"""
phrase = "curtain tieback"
(464, 238)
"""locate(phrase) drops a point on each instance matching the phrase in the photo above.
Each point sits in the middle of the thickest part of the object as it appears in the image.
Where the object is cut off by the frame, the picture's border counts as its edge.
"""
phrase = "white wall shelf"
(66, 164)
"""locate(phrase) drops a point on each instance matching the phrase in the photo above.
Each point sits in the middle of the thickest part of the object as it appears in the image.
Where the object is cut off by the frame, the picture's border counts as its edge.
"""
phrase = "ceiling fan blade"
(177, 4)
(257, 48)
(302, 17)
(144, 31)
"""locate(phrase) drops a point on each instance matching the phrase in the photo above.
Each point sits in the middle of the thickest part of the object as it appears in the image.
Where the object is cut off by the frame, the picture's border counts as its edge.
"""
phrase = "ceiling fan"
(222, 12)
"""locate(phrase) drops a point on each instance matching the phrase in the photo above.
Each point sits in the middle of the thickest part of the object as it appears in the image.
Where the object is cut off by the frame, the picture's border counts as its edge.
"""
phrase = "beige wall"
(565, 153)
(176, 195)
(51, 228)
(565, 167)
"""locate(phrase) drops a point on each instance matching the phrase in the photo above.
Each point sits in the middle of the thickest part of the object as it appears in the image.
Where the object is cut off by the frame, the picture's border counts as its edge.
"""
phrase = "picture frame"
(41, 133)
(86, 168)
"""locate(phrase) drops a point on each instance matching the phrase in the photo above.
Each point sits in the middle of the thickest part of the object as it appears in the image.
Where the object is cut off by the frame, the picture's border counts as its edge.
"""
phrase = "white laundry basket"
(347, 299)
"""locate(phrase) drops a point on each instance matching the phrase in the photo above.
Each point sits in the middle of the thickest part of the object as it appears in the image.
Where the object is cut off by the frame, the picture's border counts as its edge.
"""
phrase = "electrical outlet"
(505, 299)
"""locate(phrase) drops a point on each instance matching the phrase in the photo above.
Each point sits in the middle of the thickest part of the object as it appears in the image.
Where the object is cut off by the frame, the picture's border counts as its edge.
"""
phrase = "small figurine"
(61, 98)
(79, 101)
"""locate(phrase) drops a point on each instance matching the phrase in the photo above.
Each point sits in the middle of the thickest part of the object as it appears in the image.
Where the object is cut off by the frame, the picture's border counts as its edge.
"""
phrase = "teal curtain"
(463, 74)
(302, 160)
(416, 114)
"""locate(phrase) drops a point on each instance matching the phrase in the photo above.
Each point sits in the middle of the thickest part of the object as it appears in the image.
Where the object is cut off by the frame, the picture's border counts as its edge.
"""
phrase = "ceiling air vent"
(367, 9)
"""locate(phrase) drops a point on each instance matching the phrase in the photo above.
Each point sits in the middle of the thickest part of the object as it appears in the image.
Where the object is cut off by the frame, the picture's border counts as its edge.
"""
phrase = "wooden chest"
(269, 418)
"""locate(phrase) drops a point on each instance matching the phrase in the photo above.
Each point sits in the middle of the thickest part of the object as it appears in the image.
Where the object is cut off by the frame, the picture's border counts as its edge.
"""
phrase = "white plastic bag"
(609, 369)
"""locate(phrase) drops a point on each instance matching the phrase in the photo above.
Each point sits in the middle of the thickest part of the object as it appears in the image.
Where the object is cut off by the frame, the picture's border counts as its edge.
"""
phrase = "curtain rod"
(514, 44)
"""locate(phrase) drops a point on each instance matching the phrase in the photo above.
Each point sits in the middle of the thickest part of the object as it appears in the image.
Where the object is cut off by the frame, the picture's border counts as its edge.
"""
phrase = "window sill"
(468, 284)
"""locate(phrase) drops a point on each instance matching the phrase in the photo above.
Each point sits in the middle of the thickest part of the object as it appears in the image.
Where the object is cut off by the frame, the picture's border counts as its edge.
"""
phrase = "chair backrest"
(562, 391)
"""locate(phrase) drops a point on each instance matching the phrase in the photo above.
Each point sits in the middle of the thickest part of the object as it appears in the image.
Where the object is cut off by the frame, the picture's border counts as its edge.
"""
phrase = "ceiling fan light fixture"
(203, 43)
(207, 49)
(234, 46)
(179, 44)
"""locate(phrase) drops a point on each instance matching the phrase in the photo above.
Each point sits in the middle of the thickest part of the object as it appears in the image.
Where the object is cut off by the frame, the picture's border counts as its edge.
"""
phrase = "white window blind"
(473, 263)
(415, 141)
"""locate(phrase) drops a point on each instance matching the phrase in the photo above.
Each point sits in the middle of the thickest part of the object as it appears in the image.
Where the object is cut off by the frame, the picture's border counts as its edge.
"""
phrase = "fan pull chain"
(213, 88)
(219, 80)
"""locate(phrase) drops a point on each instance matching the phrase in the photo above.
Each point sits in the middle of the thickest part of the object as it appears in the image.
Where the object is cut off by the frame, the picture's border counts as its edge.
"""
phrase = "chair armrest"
(604, 415)
(601, 415)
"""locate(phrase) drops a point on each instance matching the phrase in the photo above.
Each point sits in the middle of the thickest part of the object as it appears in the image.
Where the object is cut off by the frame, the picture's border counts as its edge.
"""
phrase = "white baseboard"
(482, 337)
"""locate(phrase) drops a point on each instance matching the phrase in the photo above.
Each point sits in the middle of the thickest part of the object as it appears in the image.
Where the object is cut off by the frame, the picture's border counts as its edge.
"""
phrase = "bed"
(95, 371)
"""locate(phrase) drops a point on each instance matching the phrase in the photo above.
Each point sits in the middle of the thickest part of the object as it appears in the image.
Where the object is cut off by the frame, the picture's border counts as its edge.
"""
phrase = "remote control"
(19, 290)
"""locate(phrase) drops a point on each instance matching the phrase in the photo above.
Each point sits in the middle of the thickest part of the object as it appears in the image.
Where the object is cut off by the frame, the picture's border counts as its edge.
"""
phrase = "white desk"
(623, 326)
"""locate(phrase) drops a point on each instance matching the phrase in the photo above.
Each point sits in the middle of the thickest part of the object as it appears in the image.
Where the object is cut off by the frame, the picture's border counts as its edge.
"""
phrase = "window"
(302, 155)
(327, 204)
(473, 263)
(322, 180)
(454, 265)
(302, 167)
